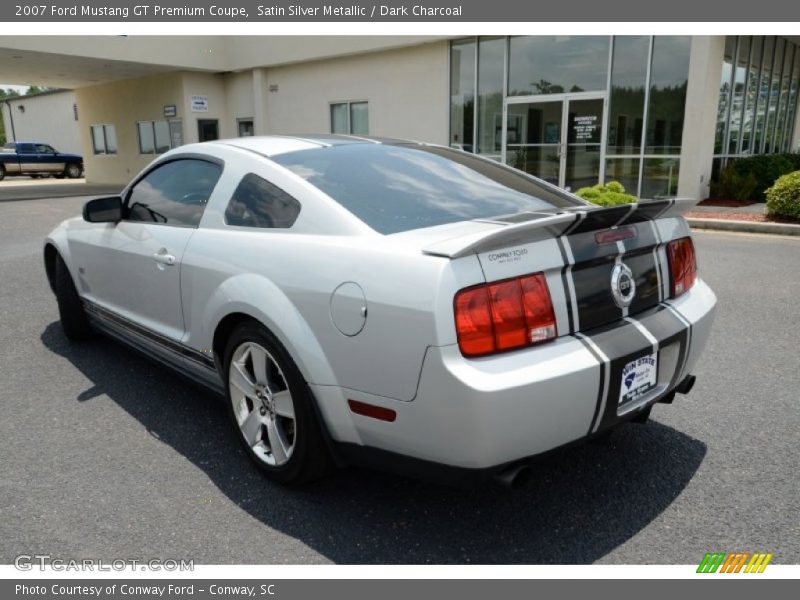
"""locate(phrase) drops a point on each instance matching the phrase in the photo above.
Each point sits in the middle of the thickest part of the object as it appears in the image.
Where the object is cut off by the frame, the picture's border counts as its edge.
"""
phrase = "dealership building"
(660, 114)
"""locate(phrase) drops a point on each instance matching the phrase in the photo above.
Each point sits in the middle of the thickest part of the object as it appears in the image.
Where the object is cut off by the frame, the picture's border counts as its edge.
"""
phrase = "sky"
(20, 88)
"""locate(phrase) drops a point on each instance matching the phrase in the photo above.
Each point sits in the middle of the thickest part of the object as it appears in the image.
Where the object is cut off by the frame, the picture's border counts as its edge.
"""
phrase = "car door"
(48, 159)
(28, 158)
(131, 269)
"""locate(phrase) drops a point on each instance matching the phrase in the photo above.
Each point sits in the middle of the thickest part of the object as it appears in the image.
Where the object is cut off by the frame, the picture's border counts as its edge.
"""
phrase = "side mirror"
(103, 210)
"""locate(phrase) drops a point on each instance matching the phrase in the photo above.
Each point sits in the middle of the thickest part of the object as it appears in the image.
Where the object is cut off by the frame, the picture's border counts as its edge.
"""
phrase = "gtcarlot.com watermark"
(43, 562)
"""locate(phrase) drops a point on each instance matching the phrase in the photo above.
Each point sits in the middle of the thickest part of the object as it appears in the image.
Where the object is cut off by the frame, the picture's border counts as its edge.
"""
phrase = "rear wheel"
(271, 406)
(70, 307)
(2, 172)
(72, 170)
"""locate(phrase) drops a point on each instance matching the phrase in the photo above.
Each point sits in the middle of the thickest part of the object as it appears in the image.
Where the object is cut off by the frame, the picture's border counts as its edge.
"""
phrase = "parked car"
(389, 303)
(38, 160)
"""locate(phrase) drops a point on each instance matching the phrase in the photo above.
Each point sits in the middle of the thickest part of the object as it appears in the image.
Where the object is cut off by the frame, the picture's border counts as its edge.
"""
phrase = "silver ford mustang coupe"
(388, 303)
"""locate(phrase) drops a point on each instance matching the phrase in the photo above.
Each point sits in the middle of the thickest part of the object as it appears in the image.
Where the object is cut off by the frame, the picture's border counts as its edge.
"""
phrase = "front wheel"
(271, 406)
(70, 307)
(73, 171)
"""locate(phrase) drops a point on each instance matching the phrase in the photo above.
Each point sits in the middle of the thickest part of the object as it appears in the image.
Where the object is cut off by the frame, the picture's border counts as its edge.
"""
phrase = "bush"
(783, 198)
(610, 194)
(766, 168)
(732, 185)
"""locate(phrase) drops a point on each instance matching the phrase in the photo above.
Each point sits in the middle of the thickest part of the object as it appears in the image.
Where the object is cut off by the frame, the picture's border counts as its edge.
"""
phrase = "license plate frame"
(638, 378)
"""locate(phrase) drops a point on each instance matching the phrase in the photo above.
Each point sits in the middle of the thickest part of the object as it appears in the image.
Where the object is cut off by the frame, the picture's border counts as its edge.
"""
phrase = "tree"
(5, 93)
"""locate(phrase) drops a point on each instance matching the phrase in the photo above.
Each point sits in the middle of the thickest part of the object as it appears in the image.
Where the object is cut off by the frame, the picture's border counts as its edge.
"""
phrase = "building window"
(154, 137)
(557, 64)
(245, 127)
(491, 57)
(758, 97)
(350, 118)
(628, 83)
(104, 139)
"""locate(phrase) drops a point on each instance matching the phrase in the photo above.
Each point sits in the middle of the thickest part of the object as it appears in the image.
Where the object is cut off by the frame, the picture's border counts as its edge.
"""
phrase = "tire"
(642, 416)
(73, 171)
(74, 322)
(2, 172)
(272, 408)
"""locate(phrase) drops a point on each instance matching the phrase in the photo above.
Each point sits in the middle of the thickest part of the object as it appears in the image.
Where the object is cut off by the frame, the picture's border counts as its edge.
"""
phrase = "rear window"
(399, 188)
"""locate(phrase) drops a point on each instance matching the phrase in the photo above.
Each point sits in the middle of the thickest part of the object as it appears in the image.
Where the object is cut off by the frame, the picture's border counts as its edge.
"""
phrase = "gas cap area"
(349, 308)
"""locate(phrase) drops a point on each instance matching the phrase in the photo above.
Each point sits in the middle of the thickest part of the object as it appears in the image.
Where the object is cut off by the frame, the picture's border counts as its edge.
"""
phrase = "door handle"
(164, 258)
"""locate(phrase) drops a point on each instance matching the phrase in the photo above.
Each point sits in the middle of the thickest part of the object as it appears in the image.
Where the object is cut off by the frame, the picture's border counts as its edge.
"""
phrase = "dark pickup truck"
(38, 160)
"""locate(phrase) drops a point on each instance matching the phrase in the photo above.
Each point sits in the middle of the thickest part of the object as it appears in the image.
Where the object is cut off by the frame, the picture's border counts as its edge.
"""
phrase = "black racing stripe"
(585, 247)
(601, 384)
(645, 274)
(619, 343)
(565, 283)
(166, 343)
(603, 218)
(592, 282)
(649, 209)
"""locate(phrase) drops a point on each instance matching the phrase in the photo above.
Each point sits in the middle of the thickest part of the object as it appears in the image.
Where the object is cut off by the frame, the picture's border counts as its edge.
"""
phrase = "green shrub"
(610, 194)
(783, 198)
(766, 168)
(732, 185)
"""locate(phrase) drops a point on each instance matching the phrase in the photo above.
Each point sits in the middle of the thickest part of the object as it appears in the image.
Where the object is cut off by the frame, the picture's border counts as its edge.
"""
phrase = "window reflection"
(628, 81)
(548, 64)
(669, 75)
(462, 94)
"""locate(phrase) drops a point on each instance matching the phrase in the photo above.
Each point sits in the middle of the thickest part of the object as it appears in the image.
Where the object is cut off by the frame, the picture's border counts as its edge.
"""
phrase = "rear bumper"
(480, 414)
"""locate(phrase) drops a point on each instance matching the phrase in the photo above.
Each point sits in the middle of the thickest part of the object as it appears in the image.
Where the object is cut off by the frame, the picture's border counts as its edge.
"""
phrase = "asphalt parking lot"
(107, 455)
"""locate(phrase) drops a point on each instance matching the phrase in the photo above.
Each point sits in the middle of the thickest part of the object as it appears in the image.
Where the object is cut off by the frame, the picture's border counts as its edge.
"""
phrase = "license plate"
(638, 377)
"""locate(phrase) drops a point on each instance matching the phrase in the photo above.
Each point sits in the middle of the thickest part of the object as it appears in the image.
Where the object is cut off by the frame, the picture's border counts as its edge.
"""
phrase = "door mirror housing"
(103, 210)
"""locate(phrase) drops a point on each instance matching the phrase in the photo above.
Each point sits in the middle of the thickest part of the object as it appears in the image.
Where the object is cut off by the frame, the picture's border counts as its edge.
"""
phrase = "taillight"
(504, 315)
(682, 265)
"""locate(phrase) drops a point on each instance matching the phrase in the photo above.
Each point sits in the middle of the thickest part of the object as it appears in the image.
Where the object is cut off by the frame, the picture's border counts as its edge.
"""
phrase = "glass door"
(557, 137)
(533, 138)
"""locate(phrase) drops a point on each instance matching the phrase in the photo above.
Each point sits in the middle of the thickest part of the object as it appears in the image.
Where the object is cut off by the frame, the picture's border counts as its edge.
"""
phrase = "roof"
(272, 145)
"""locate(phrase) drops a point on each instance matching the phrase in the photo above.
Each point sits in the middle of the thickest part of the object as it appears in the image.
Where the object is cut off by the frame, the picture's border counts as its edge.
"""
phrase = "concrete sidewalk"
(24, 188)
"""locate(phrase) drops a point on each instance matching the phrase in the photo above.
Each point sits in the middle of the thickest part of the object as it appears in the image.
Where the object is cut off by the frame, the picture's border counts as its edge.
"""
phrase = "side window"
(27, 149)
(174, 193)
(258, 203)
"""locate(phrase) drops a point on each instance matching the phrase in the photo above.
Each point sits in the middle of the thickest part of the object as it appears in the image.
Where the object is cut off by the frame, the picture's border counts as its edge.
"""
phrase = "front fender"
(259, 298)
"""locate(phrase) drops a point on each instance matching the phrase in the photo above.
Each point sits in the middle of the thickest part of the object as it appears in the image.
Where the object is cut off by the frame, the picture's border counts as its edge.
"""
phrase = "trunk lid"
(587, 254)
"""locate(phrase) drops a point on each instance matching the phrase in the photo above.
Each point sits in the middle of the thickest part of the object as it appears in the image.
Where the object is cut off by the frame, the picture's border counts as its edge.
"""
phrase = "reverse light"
(504, 315)
(682, 265)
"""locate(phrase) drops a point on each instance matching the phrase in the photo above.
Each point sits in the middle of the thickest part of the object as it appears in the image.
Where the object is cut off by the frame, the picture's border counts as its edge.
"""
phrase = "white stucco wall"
(123, 104)
(407, 91)
(699, 122)
(48, 118)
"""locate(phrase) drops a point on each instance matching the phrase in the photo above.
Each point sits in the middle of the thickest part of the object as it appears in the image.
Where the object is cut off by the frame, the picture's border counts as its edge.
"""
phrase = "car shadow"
(581, 503)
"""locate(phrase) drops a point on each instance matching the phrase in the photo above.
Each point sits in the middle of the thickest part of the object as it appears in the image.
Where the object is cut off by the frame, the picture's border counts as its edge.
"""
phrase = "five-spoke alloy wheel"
(262, 403)
(272, 406)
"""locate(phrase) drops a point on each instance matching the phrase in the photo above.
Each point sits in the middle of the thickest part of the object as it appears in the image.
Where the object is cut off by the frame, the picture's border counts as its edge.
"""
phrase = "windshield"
(394, 188)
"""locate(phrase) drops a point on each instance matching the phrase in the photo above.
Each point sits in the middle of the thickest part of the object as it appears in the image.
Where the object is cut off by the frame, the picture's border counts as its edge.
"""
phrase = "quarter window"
(258, 203)
(174, 193)
(350, 118)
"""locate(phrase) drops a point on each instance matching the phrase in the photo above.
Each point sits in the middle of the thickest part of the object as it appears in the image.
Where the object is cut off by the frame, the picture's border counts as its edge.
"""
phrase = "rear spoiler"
(524, 228)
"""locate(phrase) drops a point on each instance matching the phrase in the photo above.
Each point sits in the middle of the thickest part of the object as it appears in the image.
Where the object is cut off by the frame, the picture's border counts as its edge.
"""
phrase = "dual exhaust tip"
(518, 476)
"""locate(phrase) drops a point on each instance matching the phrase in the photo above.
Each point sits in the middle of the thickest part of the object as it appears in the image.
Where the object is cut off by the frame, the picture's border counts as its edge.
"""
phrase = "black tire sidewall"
(307, 436)
(70, 306)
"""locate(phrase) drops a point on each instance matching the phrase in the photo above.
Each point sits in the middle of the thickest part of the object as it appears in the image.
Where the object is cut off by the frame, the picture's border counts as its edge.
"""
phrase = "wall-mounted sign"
(199, 103)
(585, 127)
(170, 110)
